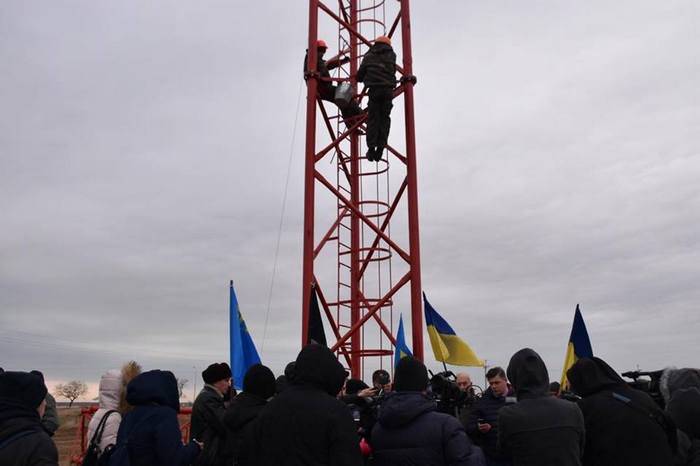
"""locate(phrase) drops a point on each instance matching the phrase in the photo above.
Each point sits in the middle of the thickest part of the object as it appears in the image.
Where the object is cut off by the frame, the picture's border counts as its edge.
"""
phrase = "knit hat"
(352, 386)
(25, 388)
(410, 376)
(216, 372)
(259, 381)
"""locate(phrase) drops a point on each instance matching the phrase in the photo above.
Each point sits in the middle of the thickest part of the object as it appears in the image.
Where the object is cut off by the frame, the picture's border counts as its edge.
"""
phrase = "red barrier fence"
(81, 441)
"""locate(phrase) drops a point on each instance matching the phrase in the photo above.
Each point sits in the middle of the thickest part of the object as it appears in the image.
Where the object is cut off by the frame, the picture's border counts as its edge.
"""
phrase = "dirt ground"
(66, 437)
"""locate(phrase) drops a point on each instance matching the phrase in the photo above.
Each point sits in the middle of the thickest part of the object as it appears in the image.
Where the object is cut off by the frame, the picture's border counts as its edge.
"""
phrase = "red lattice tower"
(361, 225)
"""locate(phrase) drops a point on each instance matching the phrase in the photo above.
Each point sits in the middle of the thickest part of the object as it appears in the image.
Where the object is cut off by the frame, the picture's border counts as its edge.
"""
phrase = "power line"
(279, 231)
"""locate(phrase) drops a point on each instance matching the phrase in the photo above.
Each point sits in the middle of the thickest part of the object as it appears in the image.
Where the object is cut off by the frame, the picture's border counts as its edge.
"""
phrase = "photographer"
(362, 401)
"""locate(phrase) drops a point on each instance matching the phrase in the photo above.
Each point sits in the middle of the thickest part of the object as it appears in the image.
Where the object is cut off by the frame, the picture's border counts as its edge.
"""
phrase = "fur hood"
(673, 379)
(129, 370)
(112, 391)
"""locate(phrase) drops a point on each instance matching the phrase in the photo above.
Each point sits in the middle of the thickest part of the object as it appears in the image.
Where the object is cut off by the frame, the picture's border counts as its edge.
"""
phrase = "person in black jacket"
(482, 422)
(326, 88)
(306, 424)
(623, 425)
(149, 435)
(378, 72)
(409, 430)
(539, 430)
(208, 413)
(258, 387)
(23, 440)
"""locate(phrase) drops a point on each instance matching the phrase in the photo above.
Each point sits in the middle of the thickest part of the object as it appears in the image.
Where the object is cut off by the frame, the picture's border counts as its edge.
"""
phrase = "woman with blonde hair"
(113, 404)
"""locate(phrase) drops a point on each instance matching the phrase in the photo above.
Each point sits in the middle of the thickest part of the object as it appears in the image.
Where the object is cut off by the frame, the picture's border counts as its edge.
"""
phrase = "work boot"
(371, 154)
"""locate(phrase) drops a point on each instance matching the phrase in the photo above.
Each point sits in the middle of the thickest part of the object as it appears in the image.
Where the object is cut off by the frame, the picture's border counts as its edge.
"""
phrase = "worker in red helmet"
(378, 72)
(326, 89)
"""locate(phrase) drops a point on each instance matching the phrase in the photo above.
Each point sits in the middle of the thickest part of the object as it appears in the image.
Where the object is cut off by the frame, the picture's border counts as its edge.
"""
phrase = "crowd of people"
(315, 415)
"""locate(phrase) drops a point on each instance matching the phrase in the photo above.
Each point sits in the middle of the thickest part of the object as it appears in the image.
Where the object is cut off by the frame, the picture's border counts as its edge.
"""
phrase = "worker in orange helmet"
(326, 89)
(378, 72)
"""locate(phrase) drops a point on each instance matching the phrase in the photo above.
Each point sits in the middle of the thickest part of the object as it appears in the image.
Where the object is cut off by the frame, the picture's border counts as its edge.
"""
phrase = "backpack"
(92, 454)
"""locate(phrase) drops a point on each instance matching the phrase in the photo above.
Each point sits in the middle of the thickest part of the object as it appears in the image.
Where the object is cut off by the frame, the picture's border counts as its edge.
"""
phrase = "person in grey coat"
(49, 421)
(208, 413)
(409, 430)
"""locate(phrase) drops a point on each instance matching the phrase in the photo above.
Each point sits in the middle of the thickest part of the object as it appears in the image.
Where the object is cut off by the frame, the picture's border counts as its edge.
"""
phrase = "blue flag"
(243, 352)
(579, 346)
(401, 349)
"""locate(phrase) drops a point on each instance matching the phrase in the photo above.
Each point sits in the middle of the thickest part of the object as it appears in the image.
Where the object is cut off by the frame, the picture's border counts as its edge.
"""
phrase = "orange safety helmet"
(382, 40)
(321, 44)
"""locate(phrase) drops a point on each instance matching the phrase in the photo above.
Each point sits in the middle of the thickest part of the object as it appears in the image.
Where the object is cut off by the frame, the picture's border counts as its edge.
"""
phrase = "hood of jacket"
(684, 409)
(380, 47)
(401, 408)
(154, 387)
(110, 389)
(317, 366)
(528, 374)
(15, 416)
(591, 375)
(244, 408)
(674, 379)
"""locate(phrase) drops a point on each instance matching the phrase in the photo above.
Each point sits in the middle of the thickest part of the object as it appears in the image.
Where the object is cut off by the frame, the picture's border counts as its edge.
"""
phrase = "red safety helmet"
(382, 40)
(321, 44)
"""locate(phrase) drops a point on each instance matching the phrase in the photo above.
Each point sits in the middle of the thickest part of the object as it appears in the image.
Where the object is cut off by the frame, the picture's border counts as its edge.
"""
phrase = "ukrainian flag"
(579, 346)
(447, 346)
(401, 350)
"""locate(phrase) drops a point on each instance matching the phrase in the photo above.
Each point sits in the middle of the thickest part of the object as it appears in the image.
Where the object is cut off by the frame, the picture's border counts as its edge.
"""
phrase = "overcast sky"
(144, 149)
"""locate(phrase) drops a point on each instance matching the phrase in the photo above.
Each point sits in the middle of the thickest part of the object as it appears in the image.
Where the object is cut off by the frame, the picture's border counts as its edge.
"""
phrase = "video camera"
(649, 382)
(450, 399)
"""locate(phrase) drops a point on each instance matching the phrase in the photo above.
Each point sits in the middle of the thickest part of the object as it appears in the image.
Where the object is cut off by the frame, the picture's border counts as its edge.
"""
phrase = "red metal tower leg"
(414, 243)
(361, 226)
(309, 184)
(356, 343)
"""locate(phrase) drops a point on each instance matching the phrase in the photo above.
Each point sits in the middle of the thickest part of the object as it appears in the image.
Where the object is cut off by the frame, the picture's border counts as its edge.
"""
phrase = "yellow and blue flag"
(447, 346)
(579, 346)
(243, 352)
(401, 350)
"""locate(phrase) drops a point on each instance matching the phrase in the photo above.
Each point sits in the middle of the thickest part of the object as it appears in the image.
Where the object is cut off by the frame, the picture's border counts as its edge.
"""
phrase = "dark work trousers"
(327, 93)
(379, 117)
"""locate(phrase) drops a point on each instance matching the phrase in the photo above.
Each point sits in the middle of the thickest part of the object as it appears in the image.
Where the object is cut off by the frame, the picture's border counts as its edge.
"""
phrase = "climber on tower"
(378, 72)
(326, 88)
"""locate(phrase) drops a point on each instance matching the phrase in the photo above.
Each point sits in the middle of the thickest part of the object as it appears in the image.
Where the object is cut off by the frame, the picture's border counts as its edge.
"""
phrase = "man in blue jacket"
(409, 430)
(482, 423)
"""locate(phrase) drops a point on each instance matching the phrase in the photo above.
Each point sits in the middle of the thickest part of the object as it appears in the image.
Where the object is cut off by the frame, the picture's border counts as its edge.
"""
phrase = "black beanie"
(352, 386)
(259, 381)
(27, 389)
(410, 376)
(215, 372)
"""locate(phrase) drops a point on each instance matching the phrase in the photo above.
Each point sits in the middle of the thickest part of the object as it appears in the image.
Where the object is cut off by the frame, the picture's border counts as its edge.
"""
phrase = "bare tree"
(181, 385)
(71, 390)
